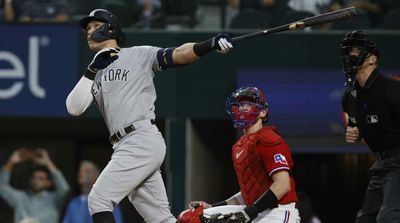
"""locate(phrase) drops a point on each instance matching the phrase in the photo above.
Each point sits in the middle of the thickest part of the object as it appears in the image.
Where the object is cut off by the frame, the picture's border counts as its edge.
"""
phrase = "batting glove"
(102, 59)
(223, 43)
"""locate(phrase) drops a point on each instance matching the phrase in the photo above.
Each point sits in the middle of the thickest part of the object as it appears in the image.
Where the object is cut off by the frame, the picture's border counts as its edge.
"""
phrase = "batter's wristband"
(221, 203)
(202, 48)
(90, 74)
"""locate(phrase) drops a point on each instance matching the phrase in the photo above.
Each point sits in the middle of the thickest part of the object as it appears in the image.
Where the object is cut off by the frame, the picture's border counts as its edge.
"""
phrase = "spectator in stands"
(77, 210)
(245, 4)
(314, 6)
(390, 20)
(39, 203)
(35, 11)
(274, 10)
(376, 9)
(149, 11)
(257, 4)
(1, 10)
(29, 220)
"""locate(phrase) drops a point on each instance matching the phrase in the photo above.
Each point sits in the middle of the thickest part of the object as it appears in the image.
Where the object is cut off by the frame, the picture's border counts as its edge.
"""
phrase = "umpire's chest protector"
(250, 170)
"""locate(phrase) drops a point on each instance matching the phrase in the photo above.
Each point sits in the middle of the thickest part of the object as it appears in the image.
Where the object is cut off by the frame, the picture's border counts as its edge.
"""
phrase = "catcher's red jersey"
(256, 157)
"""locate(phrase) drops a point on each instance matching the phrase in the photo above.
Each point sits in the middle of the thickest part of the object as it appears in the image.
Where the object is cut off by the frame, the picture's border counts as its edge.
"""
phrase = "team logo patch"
(371, 119)
(279, 158)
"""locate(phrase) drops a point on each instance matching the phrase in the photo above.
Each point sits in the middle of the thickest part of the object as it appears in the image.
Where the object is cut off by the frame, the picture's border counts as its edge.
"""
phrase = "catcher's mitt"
(238, 217)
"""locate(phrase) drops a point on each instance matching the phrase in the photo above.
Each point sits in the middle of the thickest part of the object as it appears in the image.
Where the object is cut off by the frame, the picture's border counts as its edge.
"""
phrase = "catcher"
(262, 161)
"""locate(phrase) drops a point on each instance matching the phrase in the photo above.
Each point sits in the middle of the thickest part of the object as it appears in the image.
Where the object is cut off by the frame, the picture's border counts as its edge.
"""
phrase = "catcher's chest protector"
(251, 173)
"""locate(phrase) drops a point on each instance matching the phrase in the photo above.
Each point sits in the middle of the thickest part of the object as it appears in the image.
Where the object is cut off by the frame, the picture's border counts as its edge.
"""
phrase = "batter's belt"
(130, 128)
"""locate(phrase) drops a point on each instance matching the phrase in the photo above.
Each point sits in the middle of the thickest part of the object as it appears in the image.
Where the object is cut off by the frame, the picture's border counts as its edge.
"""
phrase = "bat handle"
(250, 35)
(237, 39)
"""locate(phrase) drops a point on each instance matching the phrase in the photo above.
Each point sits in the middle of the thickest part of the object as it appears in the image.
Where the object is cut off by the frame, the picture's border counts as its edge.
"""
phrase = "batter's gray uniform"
(124, 93)
(123, 89)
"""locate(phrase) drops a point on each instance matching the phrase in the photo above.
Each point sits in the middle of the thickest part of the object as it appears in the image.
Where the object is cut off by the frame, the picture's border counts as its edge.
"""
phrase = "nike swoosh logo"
(239, 153)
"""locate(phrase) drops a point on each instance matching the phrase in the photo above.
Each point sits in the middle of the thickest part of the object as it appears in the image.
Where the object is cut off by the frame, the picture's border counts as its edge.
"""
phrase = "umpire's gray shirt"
(43, 207)
(124, 91)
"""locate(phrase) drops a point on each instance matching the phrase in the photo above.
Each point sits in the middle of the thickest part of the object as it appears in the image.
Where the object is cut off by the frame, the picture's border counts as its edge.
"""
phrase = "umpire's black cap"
(100, 15)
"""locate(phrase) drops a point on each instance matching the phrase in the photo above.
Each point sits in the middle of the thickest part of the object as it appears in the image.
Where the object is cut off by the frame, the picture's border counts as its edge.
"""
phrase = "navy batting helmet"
(256, 101)
(110, 30)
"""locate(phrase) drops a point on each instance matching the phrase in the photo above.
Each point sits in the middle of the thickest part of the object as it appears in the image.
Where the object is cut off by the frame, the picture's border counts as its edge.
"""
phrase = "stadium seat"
(249, 19)
(361, 21)
(294, 15)
(391, 20)
(126, 11)
(179, 12)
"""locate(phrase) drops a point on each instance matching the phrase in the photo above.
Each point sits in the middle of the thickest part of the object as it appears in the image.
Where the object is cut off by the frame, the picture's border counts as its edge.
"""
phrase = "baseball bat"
(311, 21)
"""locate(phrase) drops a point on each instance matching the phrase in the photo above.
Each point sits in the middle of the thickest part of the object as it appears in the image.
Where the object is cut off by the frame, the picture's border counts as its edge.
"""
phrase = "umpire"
(372, 104)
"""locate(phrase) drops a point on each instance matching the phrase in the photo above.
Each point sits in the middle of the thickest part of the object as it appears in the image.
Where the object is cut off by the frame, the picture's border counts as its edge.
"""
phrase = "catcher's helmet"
(352, 63)
(256, 101)
(110, 30)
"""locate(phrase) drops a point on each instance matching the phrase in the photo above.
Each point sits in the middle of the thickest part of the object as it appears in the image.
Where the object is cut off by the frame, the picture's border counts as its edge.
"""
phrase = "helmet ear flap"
(102, 33)
(105, 32)
(113, 29)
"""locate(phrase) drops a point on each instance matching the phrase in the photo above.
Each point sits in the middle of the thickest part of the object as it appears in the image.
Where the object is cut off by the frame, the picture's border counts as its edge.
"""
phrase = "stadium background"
(300, 72)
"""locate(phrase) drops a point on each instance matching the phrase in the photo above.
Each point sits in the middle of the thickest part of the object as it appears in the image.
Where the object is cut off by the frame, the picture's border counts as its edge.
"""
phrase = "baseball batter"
(120, 80)
(262, 161)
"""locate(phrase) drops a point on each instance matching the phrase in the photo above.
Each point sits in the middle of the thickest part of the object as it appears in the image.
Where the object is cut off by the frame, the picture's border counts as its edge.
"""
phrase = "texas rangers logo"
(279, 158)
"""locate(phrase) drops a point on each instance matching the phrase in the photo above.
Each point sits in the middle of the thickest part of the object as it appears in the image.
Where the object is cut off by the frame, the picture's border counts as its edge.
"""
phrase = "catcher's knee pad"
(99, 203)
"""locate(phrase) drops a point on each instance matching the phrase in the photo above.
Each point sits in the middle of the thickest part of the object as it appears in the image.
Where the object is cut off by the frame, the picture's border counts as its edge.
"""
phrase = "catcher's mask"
(352, 63)
(244, 105)
(110, 30)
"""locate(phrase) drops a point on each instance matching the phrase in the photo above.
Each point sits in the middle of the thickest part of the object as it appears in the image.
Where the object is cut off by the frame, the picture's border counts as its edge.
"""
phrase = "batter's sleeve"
(80, 97)
(148, 55)
(12, 196)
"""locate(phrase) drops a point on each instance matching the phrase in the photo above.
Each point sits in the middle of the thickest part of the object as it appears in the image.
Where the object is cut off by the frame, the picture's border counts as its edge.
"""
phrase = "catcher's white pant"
(282, 214)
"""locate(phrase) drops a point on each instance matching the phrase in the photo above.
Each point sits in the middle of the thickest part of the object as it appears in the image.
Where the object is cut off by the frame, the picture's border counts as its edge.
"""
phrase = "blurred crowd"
(373, 14)
(248, 14)
(132, 13)
(36, 191)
